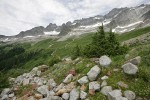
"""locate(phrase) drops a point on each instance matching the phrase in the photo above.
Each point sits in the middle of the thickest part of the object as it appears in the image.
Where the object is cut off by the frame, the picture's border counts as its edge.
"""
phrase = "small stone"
(38, 73)
(83, 80)
(93, 73)
(104, 77)
(94, 85)
(51, 83)
(130, 69)
(104, 83)
(65, 96)
(68, 78)
(26, 81)
(105, 61)
(74, 94)
(130, 95)
(83, 95)
(72, 71)
(106, 89)
(83, 87)
(51, 93)
(91, 91)
(60, 87)
(122, 84)
(11, 95)
(38, 96)
(61, 91)
(109, 73)
(135, 60)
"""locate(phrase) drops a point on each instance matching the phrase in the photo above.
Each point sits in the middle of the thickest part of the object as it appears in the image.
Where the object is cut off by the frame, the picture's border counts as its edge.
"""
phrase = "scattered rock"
(4, 97)
(53, 98)
(130, 69)
(122, 84)
(38, 73)
(43, 68)
(135, 60)
(104, 77)
(91, 91)
(65, 96)
(26, 81)
(51, 83)
(109, 73)
(93, 73)
(104, 83)
(72, 71)
(94, 85)
(59, 87)
(106, 89)
(11, 95)
(74, 94)
(61, 91)
(51, 93)
(6, 91)
(114, 95)
(38, 96)
(83, 95)
(68, 78)
(83, 87)
(83, 80)
(105, 61)
(129, 95)
(43, 89)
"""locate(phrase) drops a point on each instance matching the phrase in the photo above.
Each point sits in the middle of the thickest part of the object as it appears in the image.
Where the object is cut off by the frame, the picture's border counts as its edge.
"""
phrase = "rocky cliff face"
(119, 19)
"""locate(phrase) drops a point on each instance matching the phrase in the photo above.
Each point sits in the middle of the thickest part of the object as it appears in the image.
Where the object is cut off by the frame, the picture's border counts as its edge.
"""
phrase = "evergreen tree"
(104, 45)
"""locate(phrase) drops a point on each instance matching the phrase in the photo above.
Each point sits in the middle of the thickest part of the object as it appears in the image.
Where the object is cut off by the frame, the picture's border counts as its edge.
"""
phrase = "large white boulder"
(130, 95)
(114, 95)
(105, 61)
(130, 69)
(65, 96)
(43, 89)
(93, 73)
(106, 89)
(83, 80)
(74, 94)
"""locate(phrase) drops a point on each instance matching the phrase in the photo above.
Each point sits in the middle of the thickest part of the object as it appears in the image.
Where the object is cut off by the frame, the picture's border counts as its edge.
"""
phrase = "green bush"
(54, 60)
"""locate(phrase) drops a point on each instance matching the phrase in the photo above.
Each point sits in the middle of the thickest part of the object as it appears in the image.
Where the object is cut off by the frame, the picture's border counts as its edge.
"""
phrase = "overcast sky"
(20, 15)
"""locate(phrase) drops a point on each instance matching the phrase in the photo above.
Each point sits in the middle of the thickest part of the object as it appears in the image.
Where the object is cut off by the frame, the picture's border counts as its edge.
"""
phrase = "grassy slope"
(64, 48)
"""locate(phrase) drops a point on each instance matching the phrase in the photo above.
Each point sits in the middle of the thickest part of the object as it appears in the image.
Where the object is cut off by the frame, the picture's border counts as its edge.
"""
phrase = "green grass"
(133, 34)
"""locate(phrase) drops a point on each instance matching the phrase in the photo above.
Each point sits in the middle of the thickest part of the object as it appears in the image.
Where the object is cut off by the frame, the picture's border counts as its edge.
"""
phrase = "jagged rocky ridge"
(119, 19)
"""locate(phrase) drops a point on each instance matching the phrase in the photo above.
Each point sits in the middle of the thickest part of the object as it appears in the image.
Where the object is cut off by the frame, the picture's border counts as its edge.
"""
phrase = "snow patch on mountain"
(132, 24)
(51, 33)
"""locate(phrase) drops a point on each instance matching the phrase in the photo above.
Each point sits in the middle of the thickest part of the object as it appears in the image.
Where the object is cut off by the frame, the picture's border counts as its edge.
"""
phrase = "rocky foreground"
(43, 88)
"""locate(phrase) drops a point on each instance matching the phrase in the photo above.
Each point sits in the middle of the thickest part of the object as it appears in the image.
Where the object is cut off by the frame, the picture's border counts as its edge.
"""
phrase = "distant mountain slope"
(119, 19)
